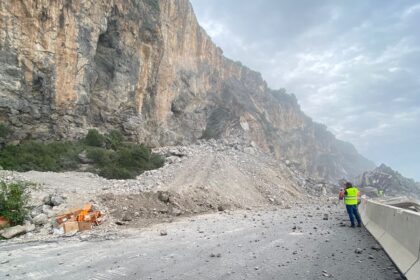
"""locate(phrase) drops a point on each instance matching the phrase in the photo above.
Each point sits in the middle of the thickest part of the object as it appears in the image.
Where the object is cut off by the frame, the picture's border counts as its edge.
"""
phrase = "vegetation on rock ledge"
(107, 155)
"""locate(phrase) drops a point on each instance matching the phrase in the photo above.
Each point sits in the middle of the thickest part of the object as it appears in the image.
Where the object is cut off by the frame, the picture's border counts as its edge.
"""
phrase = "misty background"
(353, 65)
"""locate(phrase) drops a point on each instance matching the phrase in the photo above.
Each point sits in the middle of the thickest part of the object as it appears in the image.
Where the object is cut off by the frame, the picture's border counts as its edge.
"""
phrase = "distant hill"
(390, 181)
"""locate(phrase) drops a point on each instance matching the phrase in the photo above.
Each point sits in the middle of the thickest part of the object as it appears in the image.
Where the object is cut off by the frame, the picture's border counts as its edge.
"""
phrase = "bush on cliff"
(112, 157)
(94, 138)
(4, 130)
(125, 162)
(32, 155)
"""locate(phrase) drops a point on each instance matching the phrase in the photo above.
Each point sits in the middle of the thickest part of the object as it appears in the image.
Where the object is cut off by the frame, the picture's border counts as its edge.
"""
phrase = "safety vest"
(351, 197)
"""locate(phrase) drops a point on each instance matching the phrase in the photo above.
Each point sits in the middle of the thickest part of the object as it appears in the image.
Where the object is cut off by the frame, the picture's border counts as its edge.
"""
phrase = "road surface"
(254, 244)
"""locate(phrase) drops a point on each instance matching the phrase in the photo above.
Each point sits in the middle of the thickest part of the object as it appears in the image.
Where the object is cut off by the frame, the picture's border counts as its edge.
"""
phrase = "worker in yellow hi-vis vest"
(352, 199)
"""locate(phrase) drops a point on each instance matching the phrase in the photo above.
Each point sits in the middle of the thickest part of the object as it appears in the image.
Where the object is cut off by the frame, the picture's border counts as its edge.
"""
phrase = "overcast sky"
(354, 65)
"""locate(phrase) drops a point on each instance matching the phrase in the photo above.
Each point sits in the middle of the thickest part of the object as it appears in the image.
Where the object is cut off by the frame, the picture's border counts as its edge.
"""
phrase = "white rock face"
(160, 79)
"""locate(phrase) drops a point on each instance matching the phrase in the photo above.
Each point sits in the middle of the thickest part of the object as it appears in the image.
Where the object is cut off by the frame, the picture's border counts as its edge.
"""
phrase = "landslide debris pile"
(207, 176)
(389, 181)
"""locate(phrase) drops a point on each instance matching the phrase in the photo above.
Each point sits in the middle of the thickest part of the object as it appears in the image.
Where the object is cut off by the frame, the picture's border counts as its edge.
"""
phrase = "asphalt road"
(254, 244)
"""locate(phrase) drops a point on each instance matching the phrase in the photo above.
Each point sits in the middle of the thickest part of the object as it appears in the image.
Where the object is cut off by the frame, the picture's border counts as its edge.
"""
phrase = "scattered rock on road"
(376, 247)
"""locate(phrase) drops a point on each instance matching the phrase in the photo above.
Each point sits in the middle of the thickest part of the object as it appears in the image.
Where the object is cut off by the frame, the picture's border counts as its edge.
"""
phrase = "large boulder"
(13, 231)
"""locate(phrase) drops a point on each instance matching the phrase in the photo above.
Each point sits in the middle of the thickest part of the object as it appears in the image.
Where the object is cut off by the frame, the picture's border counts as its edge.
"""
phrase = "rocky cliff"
(389, 181)
(147, 68)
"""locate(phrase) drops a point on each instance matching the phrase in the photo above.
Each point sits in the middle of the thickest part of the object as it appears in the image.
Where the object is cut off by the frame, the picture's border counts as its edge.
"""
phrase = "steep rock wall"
(148, 69)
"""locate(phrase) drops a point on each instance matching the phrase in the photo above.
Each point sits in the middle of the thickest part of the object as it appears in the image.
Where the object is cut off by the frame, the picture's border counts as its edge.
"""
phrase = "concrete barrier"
(398, 231)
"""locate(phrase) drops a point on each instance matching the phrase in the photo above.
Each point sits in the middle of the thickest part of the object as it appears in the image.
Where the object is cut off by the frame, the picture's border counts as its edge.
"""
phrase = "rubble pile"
(383, 180)
(213, 175)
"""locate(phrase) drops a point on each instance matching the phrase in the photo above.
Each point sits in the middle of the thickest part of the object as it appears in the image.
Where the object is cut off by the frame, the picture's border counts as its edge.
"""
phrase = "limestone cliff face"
(146, 67)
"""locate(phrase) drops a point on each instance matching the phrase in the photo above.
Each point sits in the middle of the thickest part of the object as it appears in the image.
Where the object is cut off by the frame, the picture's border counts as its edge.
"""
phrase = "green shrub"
(4, 131)
(33, 155)
(112, 157)
(101, 156)
(13, 199)
(114, 139)
(94, 138)
(126, 162)
(157, 160)
(115, 172)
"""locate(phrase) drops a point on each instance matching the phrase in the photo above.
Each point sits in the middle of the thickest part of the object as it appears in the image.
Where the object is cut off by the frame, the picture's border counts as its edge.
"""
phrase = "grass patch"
(112, 157)
(13, 199)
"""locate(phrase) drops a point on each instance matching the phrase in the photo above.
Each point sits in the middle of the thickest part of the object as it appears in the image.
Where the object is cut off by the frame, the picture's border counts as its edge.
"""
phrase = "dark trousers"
(353, 213)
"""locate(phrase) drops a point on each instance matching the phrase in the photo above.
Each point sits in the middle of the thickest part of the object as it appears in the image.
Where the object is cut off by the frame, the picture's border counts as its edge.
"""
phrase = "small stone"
(176, 212)
(57, 200)
(163, 196)
(29, 227)
(127, 217)
(46, 200)
(376, 247)
(163, 233)
(325, 217)
(45, 209)
(35, 212)
(40, 220)
(358, 251)
(84, 159)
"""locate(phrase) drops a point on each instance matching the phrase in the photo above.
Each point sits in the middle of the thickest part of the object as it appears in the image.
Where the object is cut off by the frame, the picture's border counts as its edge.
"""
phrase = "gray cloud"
(352, 64)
